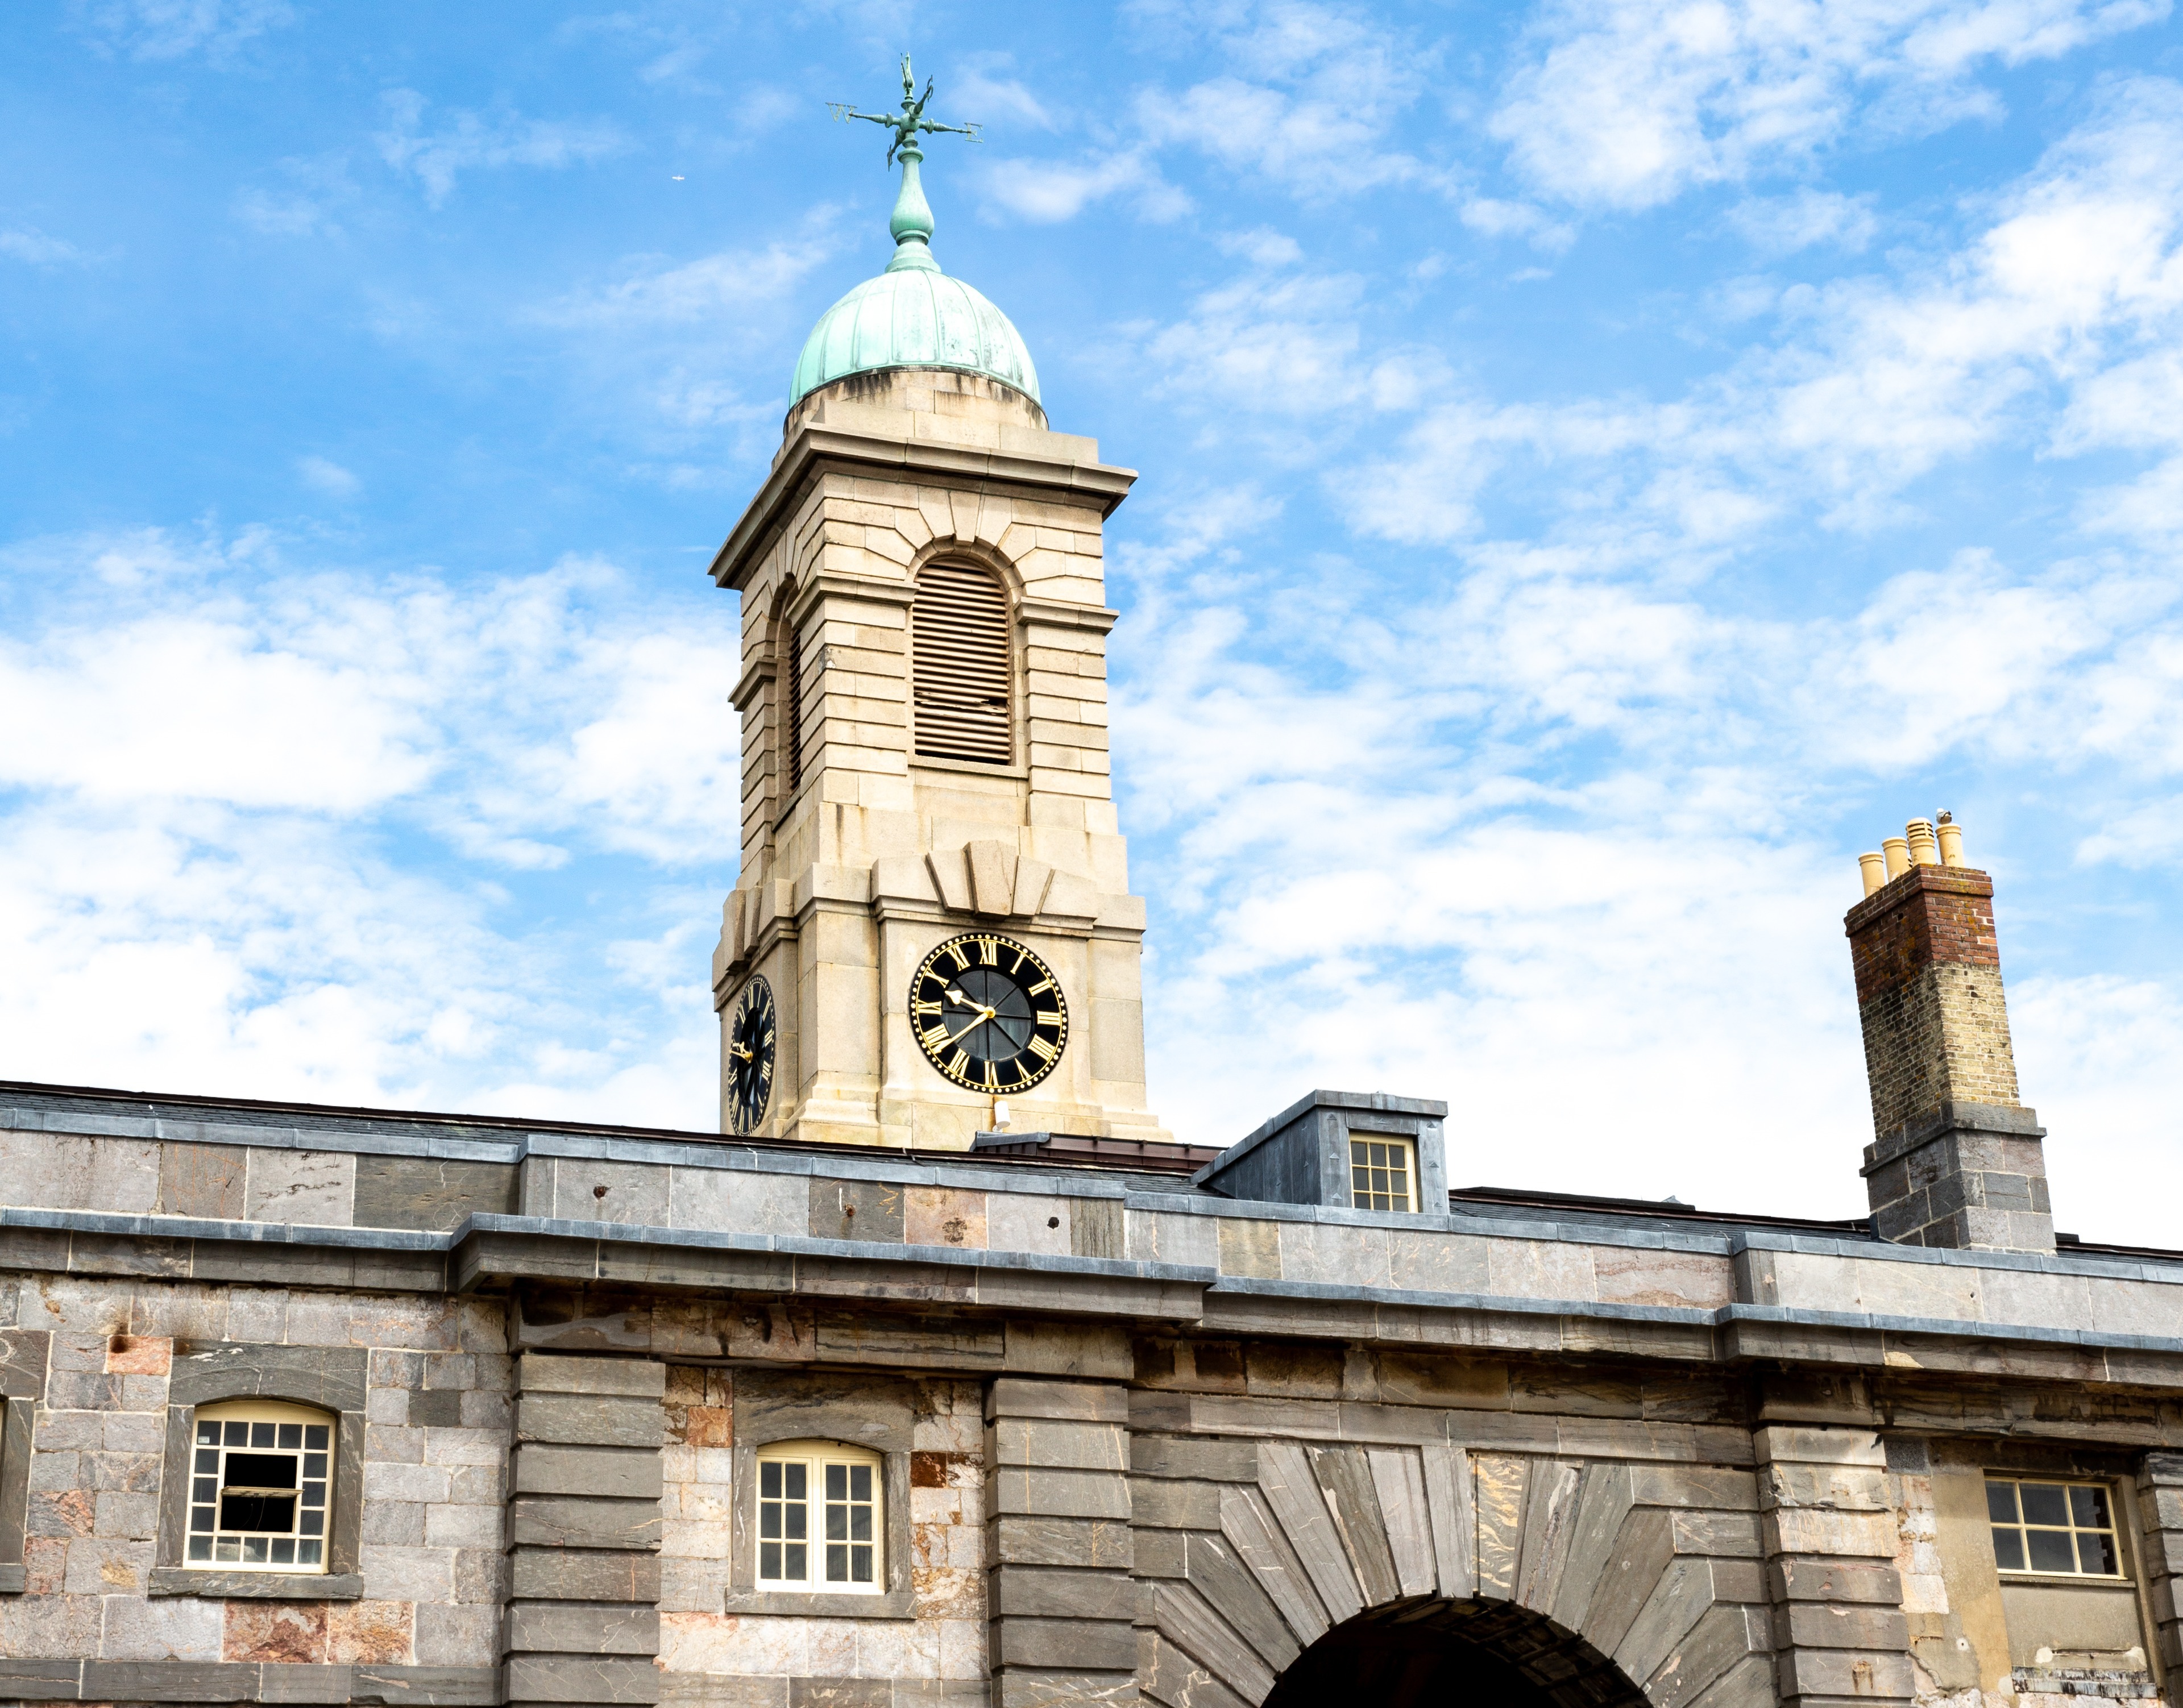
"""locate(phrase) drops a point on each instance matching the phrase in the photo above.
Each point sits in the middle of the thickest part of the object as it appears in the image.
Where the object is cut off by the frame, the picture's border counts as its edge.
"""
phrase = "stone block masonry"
(584, 1531)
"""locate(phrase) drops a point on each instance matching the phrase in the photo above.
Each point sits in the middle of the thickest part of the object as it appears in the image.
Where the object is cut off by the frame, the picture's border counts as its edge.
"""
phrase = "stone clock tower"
(925, 758)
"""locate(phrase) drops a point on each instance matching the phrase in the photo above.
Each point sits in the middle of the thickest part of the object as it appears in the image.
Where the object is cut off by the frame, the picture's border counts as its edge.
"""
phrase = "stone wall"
(419, 1612)
(722, 1644)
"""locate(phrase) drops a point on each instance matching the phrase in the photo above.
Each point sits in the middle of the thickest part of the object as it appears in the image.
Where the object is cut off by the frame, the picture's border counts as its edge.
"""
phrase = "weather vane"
(910, 121)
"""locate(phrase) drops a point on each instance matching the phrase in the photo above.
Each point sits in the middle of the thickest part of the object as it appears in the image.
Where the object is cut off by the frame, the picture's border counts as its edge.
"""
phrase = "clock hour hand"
(736, 1049)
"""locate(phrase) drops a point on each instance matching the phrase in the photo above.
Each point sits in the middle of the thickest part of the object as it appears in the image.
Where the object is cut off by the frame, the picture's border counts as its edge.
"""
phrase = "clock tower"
(933, 933)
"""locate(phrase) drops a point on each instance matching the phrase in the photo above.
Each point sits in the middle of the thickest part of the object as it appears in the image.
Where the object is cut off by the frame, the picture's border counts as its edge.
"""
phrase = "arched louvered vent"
(792, 706)
(959, 666)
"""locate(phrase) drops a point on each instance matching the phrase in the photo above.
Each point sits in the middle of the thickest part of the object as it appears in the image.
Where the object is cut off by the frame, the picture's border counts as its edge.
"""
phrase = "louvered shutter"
(791, 735)
(959, 666)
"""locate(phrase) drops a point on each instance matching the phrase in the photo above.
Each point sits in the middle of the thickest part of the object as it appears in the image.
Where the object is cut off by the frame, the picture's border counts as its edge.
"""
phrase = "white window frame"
(1396, 1141)
(224, 1551)
(2023, 1527)
(817, 1461)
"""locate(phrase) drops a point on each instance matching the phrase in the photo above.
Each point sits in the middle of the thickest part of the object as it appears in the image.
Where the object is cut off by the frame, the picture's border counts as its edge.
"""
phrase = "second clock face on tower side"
(750, 1055)
(988, 1013)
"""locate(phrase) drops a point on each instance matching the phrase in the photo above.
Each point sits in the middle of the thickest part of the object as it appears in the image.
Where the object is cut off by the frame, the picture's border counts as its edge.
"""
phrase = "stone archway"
(1428, 1654)
(1639, 1580)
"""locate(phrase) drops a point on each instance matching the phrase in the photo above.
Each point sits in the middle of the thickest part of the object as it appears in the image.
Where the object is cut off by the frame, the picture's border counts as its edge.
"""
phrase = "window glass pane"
(837, 1481)
(261, 1513)
(201, 1518)
(314, 1436)
(2095, 1551)
(313, 1523)
(768, 1520)
(209, 1458)
(2008, 1550)
(314, 1464)
(2044, 1503)
(291, 1435)
(307, 1553)
(837, 1563)
(200, 1547)
(860, 1565)
(769, 1480)
(2051, 1551)
(284, 1551)
(2001, 1502)
(205, 1488)
(314, 1494)
(769, 1560)
(261, 1434)
(238, 1434)
(860, 1481)
(795, 1480)
(795, 1569)
(209, 1434)
(254, 1551)
(860, 1524)
(2088, 1505)
(260, 1471)
(837, 1521)
(796, 1511)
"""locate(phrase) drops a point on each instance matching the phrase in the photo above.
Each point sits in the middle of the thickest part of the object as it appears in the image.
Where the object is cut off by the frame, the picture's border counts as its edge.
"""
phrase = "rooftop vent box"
(1340, 1150)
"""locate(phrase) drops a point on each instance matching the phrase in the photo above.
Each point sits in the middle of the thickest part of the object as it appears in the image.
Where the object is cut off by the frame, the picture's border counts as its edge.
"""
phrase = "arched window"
(260, 1472)
(819, 1517)
(959, 666)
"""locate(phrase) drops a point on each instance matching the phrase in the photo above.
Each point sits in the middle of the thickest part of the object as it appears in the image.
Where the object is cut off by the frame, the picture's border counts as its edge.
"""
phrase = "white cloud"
(1049, 192)
(258, 834)
(329, 477)
(714, 289)
(279, 215)
(1783, 224)
(28, 243)
(469, 142)
(1626, 103)
(158, 30)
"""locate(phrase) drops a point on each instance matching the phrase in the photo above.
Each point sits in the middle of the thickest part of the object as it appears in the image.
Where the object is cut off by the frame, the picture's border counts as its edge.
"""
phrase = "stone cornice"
(817, 449)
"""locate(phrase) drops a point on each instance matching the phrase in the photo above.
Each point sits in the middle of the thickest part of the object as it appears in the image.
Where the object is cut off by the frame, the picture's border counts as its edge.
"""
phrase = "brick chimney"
(1955, 1159)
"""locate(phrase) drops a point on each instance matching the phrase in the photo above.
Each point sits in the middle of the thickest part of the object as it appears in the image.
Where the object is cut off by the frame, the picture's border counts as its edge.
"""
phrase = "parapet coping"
(905, 1169)
(1090, 1269)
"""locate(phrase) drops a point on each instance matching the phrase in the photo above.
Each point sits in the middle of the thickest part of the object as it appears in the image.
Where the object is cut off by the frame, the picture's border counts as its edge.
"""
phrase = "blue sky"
(1604, 464)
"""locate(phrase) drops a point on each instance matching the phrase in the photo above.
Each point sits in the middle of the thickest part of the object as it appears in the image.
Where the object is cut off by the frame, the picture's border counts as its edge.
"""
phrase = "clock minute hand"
(736, 1049)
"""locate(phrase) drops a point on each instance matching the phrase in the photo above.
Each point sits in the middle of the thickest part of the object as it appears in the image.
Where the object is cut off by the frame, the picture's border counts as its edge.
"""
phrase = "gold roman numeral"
(992, 1082)
(989, 951)
(1041, 987)
(1044, 1050)
(962, 955)
(934, 1036)
(1048, 1017)
(765, 1072)
(1020, 953)
(958, 1062)
(925, 1008)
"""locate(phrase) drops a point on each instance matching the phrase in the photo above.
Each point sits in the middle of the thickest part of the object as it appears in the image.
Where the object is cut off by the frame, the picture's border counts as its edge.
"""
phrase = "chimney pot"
(1897, 855)
(1951, 840)
(1874, 869)
(1925, 851)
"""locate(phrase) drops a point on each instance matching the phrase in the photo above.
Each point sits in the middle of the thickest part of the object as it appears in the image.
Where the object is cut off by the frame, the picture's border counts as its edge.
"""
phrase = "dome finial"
(911, 224)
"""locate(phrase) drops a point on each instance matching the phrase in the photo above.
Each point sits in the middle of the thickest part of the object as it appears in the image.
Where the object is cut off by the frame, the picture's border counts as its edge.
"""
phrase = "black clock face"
(750, 1056)
(988, 1013)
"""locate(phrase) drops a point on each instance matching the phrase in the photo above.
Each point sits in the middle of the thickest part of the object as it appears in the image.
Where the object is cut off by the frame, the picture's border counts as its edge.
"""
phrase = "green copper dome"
(913, 315)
